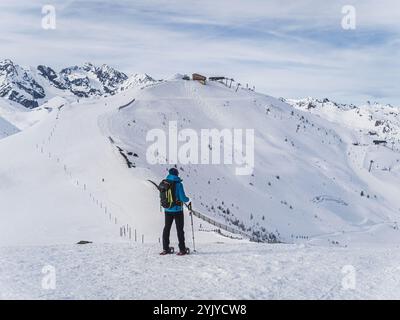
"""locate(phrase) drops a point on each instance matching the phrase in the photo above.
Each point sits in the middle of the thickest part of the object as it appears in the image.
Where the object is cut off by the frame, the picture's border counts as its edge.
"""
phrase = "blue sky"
(284, 48)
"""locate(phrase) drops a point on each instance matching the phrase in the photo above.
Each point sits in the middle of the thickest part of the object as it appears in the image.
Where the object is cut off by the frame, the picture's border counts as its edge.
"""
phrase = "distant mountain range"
(33, 86)
(381, 121)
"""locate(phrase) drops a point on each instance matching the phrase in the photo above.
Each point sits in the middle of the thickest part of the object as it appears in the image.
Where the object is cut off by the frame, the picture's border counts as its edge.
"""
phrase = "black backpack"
(167, 190)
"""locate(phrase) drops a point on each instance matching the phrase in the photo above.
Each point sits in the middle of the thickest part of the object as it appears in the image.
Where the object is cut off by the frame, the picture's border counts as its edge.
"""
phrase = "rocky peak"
(7, 68)
(24, 85)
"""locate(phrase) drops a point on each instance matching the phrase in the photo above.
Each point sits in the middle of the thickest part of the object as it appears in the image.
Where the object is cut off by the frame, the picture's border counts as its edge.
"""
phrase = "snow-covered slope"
(217, 271)
(6, 128)
(74, 170)
(62, 181)
(310, 183)
(19, 116)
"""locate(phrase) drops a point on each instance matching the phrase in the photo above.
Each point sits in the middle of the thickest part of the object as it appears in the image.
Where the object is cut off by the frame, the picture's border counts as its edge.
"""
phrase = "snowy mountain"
(88, 80)
(310, 103)
(18, 84)
(31, 87)
(311, 179)
(136, 80)
(378, 121)
(77, 169)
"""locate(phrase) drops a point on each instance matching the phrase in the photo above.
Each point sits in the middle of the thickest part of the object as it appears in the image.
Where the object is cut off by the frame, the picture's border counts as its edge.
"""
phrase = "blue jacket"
(180, 194)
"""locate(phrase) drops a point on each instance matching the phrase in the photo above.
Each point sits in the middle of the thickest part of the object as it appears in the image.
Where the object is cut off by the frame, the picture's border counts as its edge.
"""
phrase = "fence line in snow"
(127, 230)
(223, 226)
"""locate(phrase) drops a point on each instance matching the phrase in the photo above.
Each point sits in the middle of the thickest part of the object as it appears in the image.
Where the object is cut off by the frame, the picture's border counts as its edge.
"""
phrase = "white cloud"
(293, 50)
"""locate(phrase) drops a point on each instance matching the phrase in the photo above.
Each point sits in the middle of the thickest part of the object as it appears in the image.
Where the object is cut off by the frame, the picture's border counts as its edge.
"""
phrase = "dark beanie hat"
(173, 171)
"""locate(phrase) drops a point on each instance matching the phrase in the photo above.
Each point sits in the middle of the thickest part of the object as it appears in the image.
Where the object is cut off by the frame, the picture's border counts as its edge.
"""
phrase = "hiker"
(175, 212)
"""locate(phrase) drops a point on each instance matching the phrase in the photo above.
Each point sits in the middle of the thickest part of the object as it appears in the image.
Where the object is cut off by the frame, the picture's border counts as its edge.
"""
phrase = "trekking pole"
(191, 217)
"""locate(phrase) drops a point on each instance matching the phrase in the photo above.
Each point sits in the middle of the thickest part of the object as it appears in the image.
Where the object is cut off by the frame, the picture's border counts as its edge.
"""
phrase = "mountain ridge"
(381, 121)
(33, 86)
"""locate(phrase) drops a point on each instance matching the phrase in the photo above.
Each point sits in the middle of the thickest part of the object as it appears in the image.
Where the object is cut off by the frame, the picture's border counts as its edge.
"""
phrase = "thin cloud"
(292, 50)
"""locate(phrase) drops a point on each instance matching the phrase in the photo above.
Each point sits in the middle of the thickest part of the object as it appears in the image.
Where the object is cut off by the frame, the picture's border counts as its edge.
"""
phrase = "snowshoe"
(182, 253)
(169, 251)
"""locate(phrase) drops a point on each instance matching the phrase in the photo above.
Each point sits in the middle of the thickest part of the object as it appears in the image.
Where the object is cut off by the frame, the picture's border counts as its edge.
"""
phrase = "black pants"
(179, 222)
